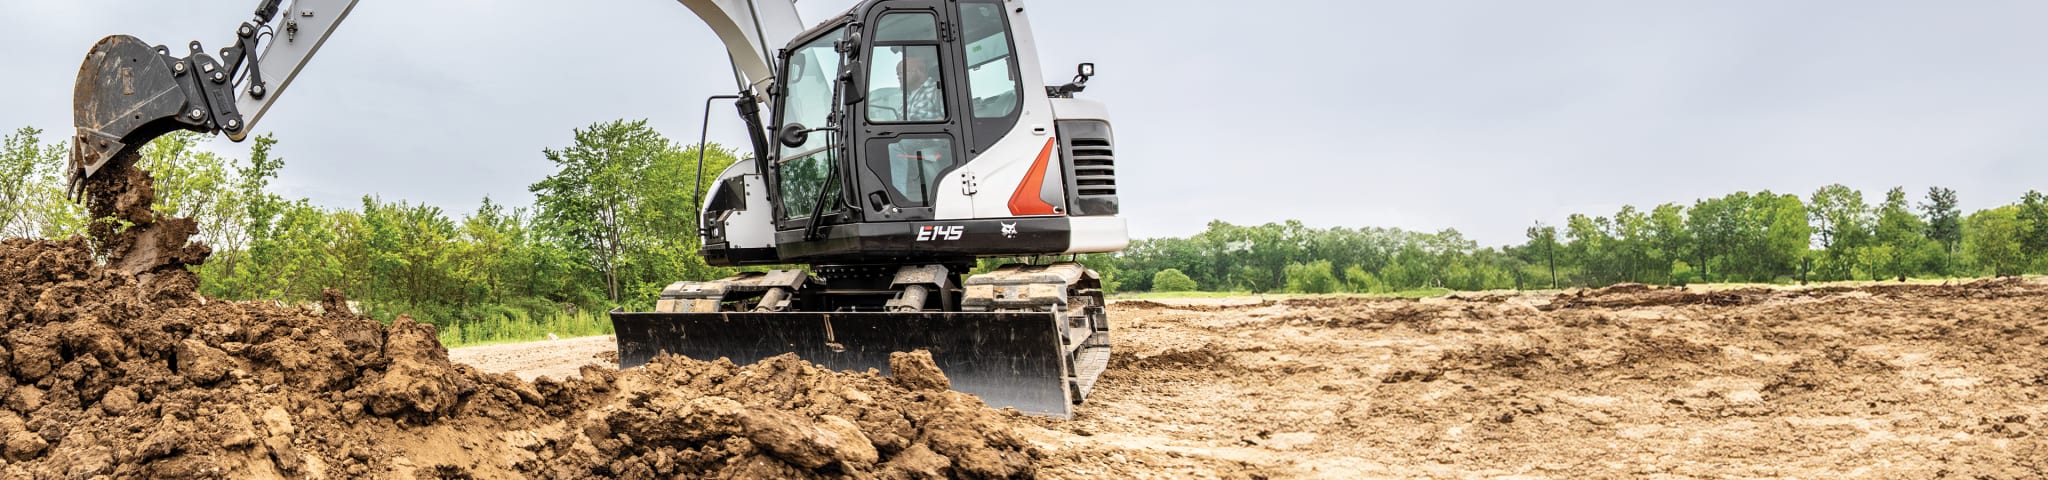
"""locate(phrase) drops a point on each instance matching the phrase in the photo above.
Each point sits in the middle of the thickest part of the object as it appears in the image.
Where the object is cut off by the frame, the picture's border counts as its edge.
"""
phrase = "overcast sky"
(1480, 116)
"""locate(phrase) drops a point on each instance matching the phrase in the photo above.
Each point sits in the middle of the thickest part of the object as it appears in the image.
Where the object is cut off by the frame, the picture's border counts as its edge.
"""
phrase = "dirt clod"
(917, 371)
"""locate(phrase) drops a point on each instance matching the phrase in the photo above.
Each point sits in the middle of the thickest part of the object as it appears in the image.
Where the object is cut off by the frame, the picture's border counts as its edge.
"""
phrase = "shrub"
(1312, 277)
(1171, 280)
(1357, 280)
(1682, 274)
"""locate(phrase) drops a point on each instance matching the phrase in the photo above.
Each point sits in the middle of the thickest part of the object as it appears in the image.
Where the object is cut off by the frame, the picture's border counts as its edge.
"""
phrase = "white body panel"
(753, 227)
(301, 28)
(1098, 234)
(1079, 109)
(999, 171)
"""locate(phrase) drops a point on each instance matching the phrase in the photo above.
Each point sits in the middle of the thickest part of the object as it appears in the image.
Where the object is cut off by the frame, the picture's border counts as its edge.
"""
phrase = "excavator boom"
(129, 92)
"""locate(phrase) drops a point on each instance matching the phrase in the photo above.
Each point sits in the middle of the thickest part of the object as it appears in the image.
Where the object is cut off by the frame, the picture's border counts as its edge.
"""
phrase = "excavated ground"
(107, 377)
(121, 369)
(1624, 382)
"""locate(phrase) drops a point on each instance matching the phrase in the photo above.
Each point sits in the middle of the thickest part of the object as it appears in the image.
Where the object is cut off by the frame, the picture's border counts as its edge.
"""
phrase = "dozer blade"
(1007, 359)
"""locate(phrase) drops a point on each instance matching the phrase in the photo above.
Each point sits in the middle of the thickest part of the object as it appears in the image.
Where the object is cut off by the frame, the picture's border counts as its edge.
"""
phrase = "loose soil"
(111, 364)
(1889, 381)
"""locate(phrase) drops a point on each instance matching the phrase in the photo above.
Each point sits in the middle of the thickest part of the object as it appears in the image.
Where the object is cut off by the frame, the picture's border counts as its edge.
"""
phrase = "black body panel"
(720, 255)
(925, 240)
(1088, 151)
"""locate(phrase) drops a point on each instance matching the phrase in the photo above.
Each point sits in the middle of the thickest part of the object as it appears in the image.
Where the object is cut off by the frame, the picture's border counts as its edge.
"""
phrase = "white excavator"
(892, 146)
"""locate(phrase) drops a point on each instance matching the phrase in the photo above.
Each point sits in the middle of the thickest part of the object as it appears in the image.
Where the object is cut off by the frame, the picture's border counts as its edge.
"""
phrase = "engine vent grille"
(1089, 152)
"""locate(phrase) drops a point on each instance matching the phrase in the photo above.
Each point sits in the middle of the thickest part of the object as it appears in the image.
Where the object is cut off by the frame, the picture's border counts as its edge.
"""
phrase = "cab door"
(910, 120)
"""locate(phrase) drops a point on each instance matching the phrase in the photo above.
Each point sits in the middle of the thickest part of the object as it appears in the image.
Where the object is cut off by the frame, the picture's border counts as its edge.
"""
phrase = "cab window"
(991, 75)
(804, 170)
(906, 82)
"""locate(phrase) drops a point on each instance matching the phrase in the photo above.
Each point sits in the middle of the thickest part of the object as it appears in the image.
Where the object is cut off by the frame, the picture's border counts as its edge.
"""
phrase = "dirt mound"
(1208, 357)
(1339, 301)
(1192, 307)
(1631, 295)
(108, 374)
(785, 418)
(1985, 289)
(1412, 315)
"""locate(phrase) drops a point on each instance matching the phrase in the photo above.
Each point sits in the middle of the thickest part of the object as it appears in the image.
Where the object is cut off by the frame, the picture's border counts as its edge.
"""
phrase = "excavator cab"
(917, 130)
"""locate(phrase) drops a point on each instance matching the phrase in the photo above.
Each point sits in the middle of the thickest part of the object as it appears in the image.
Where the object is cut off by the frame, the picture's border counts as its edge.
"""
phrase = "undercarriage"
(1032, 337)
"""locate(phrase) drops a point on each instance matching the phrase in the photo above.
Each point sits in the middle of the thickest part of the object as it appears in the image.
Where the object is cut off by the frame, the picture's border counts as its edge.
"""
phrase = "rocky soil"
(111, 364)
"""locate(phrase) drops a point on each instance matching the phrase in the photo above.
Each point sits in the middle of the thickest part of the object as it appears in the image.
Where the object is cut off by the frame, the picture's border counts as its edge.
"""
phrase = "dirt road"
(531, 360)
(1912, 382)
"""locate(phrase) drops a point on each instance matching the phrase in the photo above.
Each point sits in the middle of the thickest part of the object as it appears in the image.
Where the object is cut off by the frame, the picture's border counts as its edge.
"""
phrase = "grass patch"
(516, 327)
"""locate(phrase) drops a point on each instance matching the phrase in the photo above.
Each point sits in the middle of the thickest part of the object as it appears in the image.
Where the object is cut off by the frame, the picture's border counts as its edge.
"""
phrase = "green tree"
(32, 200)
(1681, 273)
(1357, 280)
(2033, 217)
(20, 155)
(1669, 239)
(1994, 241)
(588, 201)
(1172, 280)
(1545, 238)
(1842, 224)
(1312, 277)
(1789, 235)
(1900, 234)
(1944, 224)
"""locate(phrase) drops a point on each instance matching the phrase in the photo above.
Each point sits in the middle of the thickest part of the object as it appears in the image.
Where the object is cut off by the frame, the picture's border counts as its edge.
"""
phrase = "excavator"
(891, 148)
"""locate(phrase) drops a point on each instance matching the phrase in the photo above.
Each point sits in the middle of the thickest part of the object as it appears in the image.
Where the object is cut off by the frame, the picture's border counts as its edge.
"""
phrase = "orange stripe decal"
(1026, 201)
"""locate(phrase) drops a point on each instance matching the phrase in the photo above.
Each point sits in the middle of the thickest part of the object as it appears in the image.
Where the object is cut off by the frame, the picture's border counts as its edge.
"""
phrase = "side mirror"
(793, 135)
(1085, 70)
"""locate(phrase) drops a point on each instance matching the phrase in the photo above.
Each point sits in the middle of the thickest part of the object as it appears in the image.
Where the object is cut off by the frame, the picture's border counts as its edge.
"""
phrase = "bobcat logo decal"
(1010, 230)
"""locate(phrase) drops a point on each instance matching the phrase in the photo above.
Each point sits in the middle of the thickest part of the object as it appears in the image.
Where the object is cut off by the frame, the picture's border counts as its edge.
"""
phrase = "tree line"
(616, 222)
(1763, 237)
(610, 228)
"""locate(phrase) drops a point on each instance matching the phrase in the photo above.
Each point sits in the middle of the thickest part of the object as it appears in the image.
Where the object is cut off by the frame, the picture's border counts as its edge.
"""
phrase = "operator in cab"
(921, 102)
(915, 164)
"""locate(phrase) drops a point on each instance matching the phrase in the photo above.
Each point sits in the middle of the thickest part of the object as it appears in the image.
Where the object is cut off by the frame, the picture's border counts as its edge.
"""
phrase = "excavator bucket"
(1009, 359)
(128, 93)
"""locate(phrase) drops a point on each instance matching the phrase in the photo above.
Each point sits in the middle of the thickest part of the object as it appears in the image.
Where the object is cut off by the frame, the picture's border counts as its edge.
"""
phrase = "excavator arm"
(130, 92)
